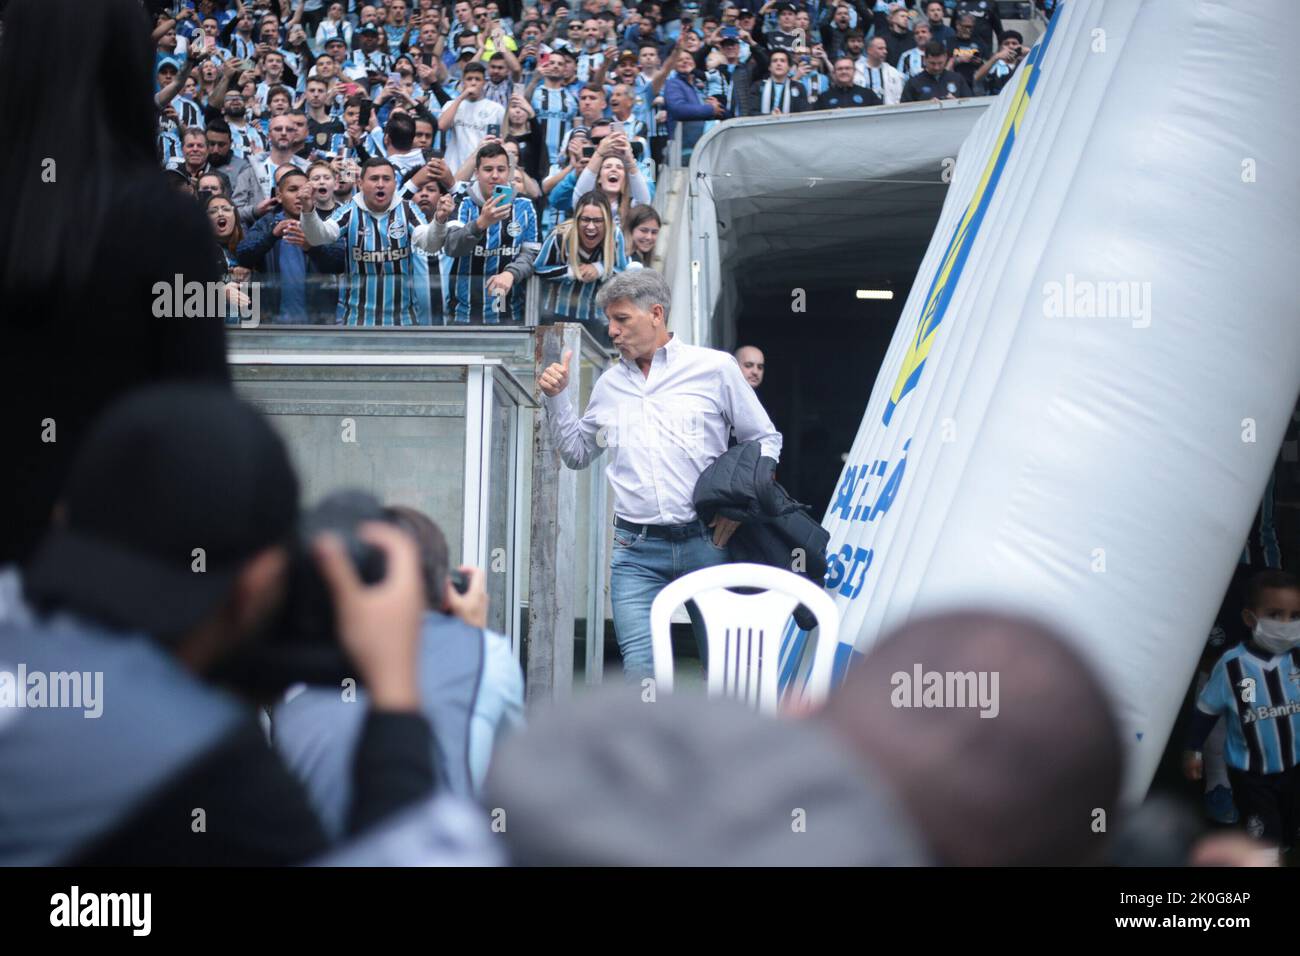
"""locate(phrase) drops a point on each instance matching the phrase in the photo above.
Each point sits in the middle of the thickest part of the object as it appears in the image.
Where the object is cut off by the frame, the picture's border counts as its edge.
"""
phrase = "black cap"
(368, 29)
(783, 7)
(166, 470)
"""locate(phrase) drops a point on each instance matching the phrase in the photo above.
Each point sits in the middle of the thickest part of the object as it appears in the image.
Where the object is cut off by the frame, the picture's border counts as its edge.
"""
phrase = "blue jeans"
(640, 568)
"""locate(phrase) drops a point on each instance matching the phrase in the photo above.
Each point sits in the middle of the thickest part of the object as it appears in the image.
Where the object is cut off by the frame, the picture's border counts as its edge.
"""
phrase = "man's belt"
(667, 531)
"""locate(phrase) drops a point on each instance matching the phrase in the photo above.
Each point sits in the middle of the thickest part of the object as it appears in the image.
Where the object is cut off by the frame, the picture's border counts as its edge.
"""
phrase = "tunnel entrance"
(821, 366)
(791, 220)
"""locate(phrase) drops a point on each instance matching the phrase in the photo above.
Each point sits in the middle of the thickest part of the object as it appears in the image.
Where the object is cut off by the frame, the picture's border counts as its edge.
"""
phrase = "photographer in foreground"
(471, 689)
(159, 584)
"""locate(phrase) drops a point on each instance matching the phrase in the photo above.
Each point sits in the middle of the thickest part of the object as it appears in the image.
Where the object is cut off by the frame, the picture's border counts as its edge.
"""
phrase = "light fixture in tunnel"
(875, 294)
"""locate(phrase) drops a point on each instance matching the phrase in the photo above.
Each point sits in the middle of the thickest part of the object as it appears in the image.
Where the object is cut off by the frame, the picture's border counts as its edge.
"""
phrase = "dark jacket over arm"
(741, 485)
(257, 242)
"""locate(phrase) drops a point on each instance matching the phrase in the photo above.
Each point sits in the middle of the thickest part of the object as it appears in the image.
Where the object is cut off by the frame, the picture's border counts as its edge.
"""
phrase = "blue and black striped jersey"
(911, 62)
(378, 61)
(188, 112)
(247, 140)
(341, 146)
(566, 298)
(381, 274)
(555, 109)
(467, 296)
(169, 145)
(1263, 547)
(588, 64)
(395, 37)
(243, 49)
(1259, 698)
(815, 84)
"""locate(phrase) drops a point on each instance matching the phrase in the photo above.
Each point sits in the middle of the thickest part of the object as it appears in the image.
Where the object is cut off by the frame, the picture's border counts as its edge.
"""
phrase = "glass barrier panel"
(397, 432)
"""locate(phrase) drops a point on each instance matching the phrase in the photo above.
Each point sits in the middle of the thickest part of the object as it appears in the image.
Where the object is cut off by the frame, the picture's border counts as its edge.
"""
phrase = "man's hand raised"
(556, 377)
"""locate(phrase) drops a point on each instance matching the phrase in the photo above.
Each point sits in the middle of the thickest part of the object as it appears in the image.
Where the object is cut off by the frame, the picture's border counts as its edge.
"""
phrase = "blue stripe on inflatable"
(963, 238)
(793, 643)
(845, 655)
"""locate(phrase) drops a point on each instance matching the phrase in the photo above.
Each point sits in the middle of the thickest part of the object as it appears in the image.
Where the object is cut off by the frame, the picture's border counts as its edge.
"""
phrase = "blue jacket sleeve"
(683, 103)
(561, 196)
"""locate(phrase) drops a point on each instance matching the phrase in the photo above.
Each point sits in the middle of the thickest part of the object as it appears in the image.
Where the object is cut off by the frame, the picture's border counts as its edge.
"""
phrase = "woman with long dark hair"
(226, 229)
(642, 231)
(90, 227)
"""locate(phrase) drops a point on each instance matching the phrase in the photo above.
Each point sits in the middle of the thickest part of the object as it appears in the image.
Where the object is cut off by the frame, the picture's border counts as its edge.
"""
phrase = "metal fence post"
(552, 585)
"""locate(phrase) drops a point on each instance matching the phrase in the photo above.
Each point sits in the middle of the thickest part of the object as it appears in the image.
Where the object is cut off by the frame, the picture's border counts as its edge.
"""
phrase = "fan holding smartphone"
(492, 244)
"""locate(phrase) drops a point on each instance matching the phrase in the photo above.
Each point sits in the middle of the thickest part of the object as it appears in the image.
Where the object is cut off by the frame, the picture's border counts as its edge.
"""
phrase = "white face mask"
(1277, 637)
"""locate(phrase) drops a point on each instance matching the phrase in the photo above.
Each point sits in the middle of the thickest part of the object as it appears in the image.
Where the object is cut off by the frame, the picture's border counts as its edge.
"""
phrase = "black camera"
(311, 609)
(302, 644)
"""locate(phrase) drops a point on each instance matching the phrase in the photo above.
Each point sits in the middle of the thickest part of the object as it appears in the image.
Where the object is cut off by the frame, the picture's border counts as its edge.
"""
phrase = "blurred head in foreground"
(685, 781)
(1017, 772)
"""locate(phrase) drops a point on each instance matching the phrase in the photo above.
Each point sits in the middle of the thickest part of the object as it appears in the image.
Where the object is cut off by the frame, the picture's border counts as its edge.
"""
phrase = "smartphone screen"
(588, 152)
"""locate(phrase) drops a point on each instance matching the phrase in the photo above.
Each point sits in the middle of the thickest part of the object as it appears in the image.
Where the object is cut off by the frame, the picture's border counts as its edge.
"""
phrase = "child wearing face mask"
(1255, 687)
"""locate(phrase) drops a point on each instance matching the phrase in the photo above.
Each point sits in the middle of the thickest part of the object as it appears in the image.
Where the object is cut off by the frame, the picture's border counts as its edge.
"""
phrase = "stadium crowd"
(499, 124)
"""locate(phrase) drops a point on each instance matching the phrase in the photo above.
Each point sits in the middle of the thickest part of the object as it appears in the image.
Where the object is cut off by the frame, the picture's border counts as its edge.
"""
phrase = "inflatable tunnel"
(1091, 376)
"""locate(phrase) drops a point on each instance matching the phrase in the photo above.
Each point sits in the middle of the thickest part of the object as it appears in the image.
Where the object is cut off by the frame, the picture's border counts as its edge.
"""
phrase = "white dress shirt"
(663, 429)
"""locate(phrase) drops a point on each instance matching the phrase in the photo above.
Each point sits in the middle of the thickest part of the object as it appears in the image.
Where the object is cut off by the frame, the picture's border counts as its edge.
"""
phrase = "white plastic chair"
(744, 630)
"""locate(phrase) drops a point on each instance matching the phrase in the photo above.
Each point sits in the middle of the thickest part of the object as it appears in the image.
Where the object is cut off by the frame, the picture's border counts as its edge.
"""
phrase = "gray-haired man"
(664, 411)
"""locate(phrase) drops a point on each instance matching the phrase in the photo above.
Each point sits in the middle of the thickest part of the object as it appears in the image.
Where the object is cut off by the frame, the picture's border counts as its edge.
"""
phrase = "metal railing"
(675, 149)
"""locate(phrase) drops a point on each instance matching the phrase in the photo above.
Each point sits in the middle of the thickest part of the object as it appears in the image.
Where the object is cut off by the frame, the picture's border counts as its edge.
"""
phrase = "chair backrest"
(744, 630)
